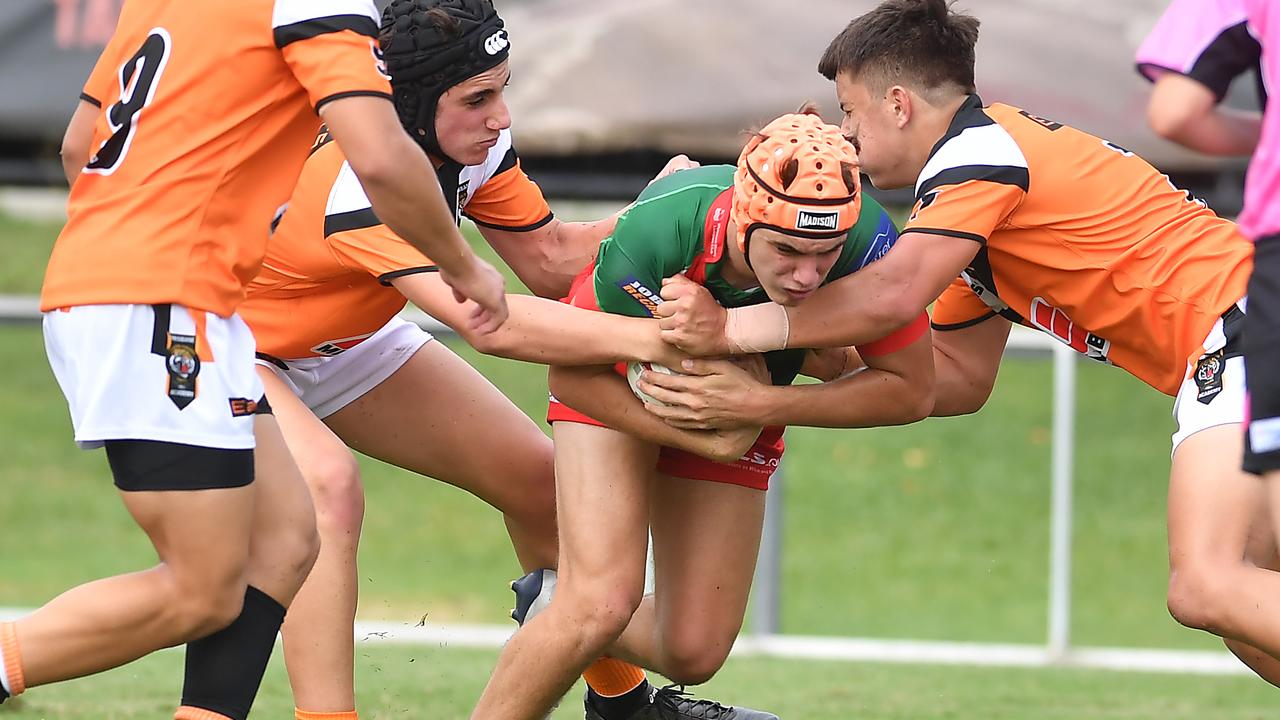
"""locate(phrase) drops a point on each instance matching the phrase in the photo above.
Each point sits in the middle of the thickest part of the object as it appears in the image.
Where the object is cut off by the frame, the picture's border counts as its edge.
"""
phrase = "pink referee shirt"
(1206, 40)
(1261, 215)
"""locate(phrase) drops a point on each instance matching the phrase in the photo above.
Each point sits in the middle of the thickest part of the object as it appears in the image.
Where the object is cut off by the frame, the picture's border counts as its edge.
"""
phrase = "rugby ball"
(633, 376)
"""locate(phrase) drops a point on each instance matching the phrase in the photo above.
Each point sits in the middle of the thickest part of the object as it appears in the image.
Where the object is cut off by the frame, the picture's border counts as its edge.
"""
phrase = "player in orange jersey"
(1019, 218)
(342, 370)
(203, 116)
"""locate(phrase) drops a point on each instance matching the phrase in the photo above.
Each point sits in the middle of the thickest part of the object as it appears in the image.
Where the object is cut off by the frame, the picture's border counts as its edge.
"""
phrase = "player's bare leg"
(702, 577)
(1260, 551)
(428, 417)
(603, 480)
(202, 540)
(439, 417)
(284, 538)
(318, 644)
(1212, 505)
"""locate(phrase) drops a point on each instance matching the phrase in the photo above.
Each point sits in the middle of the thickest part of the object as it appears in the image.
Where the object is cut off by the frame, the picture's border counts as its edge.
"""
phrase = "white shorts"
(328, 384)
(1213, 392)
(142, 372)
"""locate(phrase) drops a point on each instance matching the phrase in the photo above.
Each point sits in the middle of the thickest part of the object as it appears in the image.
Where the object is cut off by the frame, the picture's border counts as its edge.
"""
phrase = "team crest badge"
(1208, 376)
(183, 365)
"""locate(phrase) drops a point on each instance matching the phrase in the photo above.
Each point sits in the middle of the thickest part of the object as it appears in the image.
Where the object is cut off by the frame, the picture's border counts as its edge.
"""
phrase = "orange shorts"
(752, 470)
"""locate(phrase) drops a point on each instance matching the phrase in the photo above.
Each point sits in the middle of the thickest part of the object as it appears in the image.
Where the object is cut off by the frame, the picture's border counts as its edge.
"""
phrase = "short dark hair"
(918, 42)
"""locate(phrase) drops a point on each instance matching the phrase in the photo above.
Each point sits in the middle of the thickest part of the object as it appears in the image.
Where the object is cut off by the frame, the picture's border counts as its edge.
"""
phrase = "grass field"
(934, 531)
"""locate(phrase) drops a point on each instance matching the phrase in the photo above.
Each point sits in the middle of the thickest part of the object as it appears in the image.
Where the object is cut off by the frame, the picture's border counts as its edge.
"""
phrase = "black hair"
(922, 43)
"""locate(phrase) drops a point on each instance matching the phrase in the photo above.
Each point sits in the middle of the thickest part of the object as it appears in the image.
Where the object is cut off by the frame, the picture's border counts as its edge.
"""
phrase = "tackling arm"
(543, 331)
(602, 394)
(547, 259)
(966, 362)
(869, 304)
(893, 388)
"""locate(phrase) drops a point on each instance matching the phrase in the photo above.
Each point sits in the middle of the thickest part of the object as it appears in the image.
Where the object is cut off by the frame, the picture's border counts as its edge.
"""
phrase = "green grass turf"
(26, 245)
(442, 684)
(935, 531)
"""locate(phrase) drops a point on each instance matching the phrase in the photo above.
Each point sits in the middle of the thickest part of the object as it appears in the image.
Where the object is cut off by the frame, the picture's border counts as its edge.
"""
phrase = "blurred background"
(930, 543)
(603, 91)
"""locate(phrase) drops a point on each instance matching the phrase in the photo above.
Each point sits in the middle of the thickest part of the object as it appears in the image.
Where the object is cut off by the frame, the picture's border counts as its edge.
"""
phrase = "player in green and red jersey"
(789, 219)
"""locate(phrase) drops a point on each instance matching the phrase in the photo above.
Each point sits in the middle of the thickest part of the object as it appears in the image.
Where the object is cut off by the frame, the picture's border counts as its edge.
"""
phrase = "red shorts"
(752, 470)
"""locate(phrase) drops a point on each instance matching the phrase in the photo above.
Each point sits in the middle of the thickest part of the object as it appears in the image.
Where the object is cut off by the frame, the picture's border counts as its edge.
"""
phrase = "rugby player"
(202, 118)
(342, 370)
(1022, 219)
(789, 218)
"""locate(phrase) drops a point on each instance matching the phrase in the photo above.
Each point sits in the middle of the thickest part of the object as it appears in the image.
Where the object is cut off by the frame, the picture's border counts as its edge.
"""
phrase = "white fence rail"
(767, 595)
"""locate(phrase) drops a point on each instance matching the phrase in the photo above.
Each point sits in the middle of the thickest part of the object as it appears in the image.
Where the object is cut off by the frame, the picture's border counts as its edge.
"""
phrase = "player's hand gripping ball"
(633, 376)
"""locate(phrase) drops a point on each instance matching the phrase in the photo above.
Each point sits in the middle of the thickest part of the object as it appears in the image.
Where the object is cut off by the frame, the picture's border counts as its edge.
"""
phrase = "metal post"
(1062, 455)
(766, 594)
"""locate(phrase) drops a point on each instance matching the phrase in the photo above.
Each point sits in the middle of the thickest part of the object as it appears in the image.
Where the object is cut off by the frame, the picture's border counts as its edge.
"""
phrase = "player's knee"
(692, 665)
(601, 610)
(299, 548)
(532, 502)
(1198, 595)
(692, 656)
(196, 614)
(338, 494)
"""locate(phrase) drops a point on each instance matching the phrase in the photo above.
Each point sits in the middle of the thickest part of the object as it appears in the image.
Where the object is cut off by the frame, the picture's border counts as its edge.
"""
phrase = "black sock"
(225, 669)
(3, 694)
(623, 706)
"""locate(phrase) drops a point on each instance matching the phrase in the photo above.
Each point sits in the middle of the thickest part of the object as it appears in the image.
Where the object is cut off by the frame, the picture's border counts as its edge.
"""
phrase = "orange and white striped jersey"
(325, 280)
(209, 110)
(1079, 238)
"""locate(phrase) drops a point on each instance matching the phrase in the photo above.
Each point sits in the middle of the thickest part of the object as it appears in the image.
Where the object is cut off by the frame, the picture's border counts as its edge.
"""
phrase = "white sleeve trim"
(985, 145)
(289, 12)
(347, 194)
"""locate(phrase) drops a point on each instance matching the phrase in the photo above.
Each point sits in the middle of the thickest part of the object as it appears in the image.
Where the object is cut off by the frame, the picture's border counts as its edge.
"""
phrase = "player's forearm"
(866, 398)
(1222, 131)
(600, 393)
(828, 319)
(75, 149)
(553, 333)
(577, 244)
(957, 392)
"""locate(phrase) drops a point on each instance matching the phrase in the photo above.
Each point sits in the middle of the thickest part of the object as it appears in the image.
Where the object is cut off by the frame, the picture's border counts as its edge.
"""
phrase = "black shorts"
(150, 465)
(1262, 359)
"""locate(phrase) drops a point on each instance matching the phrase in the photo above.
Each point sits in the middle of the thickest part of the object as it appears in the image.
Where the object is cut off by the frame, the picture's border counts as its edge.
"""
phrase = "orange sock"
(186, 712)
(611, 678)
(12, 657)
(300, 714)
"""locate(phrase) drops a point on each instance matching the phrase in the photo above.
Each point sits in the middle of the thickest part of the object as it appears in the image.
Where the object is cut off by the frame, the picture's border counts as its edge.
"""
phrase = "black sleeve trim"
(91, 100)
(1002, 174)
(271, 359)
(1233, 52)
(944, 327)
(1153, 71)
(307, 29)
(353, 220)
(386, 278)
(519, 228)
(508, 162)
(352, 93)
(947, 233)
